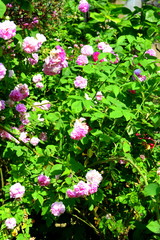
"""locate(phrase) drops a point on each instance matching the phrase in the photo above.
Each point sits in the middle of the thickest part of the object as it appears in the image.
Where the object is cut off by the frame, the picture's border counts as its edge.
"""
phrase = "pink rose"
(57, 208)
(17, 190)
(80, 82)
(7, 29)
(82, 60)
(10, 223)
(43, 180)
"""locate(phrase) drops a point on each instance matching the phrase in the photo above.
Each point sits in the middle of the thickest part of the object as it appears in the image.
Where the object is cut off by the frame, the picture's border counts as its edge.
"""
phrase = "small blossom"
(108, 49)
(2, 71)
(82, 60)
(30, 45)
(41, 38)
(102, 45)
(2, 105)
(10, 223)
(37, 78)
(87, 50)
(34, 59)
(84, 6)
(80, 82)
(43, 180)
(21, 108)
(11, 73)
(80, 129)
(93, 176)
(99, 96)
(23, 137)
(7, 29)
(39, 85)
(57, 208)
(151, 52)
(34, 141)
(17, 190)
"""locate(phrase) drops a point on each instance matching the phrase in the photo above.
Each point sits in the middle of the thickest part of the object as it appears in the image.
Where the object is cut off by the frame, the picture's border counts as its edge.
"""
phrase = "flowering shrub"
(79, 124)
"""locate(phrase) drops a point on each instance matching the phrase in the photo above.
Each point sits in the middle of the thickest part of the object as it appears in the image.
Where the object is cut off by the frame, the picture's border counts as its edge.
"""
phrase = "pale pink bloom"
(30, 45)
(142, 78)
(151, 52)
(102, 45)
(2, 105)
(41, 38)
(11, 73)
(93, 188)
(10, 223)
(37, 78)
(108, 49)
(45, 105)
(82, 60)
(23, 137)
(99, 96)
(80, 82)
(34, 141)
(94, 177)
(7, 29)
(39, 85)
(21, 108)
(43, 180)
(83, 6)
(80, 129)
(5, 135)
(24, 118)
(81, 189)
(57, 208)
(43, 136)
(34, 59)
(87, 50)
(17, 190)
(2, 71)
(71, 194)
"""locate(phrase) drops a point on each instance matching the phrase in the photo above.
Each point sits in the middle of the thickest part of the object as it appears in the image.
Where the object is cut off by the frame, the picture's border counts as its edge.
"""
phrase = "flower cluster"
(80, 129)
(55, 62)
(80, 82)
(31, 44)
(83, 6)
(57, 208)
(2, 71)
(7, 29)
(37, 79)
(17, 190)
(83, 189)
(43, 180)
(19, 93)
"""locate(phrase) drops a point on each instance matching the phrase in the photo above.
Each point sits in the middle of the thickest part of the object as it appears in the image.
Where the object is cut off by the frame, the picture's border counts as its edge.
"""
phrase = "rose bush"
(79, 124)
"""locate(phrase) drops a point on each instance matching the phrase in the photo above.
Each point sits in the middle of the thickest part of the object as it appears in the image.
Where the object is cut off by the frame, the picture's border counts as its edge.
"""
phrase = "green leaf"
(150, 16)
(2, 9)
(97, 16)
(77, 107)
(152, 189)
(53, 116)
(154, 226)
(116, 114)
(89, 69)
(50, 150)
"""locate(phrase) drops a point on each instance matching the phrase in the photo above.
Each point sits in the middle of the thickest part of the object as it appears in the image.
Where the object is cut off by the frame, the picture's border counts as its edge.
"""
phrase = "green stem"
(24, 144)
(2, 179)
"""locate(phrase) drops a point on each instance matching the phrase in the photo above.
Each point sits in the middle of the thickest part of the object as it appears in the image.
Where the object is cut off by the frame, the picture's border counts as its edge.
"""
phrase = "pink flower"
(34, 59)
(10, 223)
(84, 6)
(17, 190)
(101, 45)
(7, 29)
(82, 60)
(142, 78)
(39, 85)
(71, 194)
(57, 208)
(81, 189)
(151, 52)
(87, 50)
(93, 176)
(80, 129)
(99, 96)
(15, 95)
(80, 82)
(24, 118)
(43, 180)
(37, 78)
(2, 105)
(2, 71)
(45, 105)
(95, 56)
(23, 137)
(55, 62)
(30, 45)
(43, 136)
(21, 108)
(93, 188)
(34, 141)
(41, 38)
(108, 49)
